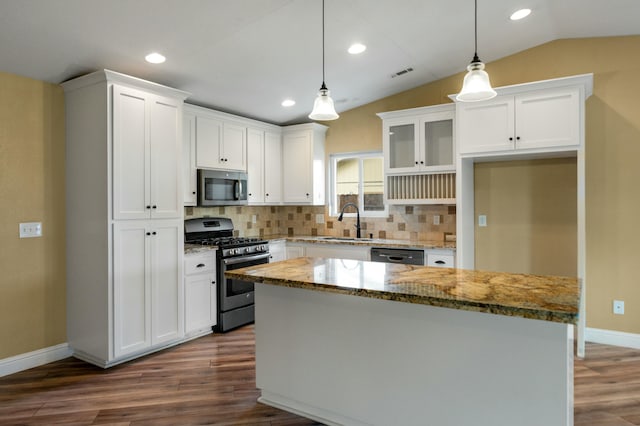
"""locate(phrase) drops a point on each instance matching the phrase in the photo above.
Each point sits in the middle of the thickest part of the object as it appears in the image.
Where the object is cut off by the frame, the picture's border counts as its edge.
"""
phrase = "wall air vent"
(402, 72)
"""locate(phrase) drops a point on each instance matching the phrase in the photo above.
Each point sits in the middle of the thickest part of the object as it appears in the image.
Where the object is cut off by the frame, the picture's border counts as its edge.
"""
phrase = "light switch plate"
(618, 307)
(482, 220)
(319, 218)
(30, 229)
(436, 219)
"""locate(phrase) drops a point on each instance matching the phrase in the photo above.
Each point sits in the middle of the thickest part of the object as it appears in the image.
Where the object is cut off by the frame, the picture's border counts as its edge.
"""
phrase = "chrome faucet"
(357, 217)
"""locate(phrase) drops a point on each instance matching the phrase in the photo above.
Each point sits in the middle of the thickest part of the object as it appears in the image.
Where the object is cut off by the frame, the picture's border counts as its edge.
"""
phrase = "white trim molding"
(35, 358)
(612, 337)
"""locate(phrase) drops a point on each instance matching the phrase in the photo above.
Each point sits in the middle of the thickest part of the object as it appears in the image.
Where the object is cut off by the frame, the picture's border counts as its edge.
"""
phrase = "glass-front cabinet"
(419, 140)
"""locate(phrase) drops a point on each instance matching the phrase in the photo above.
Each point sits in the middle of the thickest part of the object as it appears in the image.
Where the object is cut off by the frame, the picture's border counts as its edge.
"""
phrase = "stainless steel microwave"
(220, 188)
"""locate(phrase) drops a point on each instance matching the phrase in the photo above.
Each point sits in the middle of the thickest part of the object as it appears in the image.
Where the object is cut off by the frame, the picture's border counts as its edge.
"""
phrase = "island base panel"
(344, 359)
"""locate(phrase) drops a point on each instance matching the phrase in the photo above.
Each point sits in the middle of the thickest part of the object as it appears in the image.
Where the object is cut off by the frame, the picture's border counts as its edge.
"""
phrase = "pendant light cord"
(323, 85)
(475, 25)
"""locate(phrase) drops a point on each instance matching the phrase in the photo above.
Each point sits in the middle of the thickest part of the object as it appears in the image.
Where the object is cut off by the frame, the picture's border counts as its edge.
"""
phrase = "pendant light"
(323, 108)
(476, 85)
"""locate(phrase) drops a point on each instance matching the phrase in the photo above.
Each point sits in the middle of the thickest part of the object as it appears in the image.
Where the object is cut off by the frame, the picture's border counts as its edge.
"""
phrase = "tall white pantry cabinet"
(124, 217)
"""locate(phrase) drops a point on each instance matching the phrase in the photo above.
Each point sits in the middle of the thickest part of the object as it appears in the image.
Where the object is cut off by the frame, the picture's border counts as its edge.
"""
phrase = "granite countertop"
(372, 242)
(548, 298)
(197, 248)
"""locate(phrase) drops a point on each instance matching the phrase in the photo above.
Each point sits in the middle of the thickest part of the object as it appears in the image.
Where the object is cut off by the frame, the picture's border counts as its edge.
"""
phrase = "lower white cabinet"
(200, 292)
(337, 251)
(147, 285)
(440, 258)
(277, 251)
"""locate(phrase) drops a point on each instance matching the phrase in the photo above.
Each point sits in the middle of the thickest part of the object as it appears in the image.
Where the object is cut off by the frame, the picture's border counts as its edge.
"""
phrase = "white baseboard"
(612, 337)
(37, 358)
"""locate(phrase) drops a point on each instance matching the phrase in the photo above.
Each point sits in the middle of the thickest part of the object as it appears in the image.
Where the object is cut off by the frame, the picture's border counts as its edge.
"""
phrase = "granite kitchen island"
(364, 343)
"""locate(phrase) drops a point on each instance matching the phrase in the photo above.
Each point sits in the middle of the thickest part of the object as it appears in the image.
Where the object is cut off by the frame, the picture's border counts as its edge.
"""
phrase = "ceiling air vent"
(402, 72)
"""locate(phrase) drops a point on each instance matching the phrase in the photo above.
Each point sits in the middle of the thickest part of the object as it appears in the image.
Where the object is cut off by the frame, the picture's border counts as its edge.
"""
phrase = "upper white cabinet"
(189, 169)
(533, 121)
(220, 139)
(146, 150)
(419, 139)
(124, 212)
(303, 164)
(264, 166)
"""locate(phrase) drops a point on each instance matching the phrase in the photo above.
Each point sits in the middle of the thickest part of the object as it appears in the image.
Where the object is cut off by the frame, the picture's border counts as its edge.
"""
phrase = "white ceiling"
(246, 56)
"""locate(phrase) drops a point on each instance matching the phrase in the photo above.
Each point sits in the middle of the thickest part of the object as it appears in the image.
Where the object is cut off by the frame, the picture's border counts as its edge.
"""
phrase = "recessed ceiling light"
(519, 14)
(288, 103)
(155, 58)
(357, 48)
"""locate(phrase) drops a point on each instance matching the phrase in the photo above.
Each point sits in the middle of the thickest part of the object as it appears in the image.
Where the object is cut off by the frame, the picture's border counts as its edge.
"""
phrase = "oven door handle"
(242, 259)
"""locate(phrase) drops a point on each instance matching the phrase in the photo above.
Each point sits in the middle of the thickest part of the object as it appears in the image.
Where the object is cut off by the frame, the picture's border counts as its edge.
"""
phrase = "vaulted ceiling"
(246, 56)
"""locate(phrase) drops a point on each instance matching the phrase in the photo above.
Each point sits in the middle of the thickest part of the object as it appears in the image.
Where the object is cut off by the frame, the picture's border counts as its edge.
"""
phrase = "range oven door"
(237, 293)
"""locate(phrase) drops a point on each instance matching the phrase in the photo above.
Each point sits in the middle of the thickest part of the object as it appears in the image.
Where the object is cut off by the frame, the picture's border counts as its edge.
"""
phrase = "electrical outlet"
(30, 229)
(436, 219)
(482, 220)
(618, 307)
(320, 218)
(254, 218)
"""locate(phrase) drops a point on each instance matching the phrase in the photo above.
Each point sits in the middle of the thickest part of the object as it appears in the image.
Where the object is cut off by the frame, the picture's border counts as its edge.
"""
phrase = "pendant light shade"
(323, 108)
(476, 85)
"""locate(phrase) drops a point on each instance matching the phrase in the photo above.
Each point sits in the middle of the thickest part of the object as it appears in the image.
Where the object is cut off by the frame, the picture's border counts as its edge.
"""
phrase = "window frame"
(333, 191)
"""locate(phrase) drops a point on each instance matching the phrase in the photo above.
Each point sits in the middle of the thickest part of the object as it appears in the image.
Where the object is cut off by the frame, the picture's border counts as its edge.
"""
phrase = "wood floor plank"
(211, 381)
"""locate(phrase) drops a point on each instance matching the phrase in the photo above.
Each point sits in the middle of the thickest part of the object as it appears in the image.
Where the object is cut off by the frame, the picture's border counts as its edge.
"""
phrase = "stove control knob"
(247, 250)
(262, 248)
(232, 252)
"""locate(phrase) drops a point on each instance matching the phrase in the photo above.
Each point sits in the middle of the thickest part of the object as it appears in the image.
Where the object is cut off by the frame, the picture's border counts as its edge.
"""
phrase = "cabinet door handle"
(440, 262)
(200, 265)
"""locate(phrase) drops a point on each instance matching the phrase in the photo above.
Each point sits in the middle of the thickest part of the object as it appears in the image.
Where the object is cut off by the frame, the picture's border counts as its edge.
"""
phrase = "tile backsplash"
(403, 222)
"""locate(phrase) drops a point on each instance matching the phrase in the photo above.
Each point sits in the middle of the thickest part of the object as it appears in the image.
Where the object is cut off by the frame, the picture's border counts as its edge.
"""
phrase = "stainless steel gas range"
(235, 298)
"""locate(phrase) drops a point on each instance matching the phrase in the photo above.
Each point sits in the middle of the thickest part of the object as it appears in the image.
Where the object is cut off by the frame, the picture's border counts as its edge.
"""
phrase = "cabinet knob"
(148, 207)
(250, 194)
(153, 233)
(266, 194)
(422, 162)
(307, 194)
(517, 138)
(194, 192)
(213, 282)
(155, 207)
(416, 162)
(148, 233)
(510, 139)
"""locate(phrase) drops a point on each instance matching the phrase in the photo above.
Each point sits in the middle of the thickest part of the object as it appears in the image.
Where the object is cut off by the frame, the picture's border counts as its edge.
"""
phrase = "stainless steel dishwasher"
(397, 255)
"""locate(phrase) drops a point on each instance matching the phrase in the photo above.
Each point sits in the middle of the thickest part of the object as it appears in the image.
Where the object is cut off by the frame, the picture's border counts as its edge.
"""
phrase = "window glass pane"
(347, 182)
(373, 184)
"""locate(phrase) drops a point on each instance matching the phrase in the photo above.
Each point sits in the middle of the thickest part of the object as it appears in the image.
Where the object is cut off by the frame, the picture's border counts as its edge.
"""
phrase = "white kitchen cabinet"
(534, 121)
(264, 167)
(419, 140)
(220, 143)
(338, 251)
(189, 169)
(440, 258)
(303, 164)
(146, 150)
(277, 251)
(200, 292)
(294, 250)
(124, 287)
(147, 284)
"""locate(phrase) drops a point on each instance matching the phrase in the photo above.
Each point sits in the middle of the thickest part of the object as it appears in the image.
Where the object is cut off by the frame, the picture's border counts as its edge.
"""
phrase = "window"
(358, 178)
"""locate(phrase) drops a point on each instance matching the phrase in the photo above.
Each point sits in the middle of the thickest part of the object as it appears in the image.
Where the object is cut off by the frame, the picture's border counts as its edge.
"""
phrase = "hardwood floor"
(211, 381)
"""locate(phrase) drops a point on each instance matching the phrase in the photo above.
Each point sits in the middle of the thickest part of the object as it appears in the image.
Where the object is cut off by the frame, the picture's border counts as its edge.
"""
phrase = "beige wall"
(531, 216)
(612, 153)
(32, 282)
